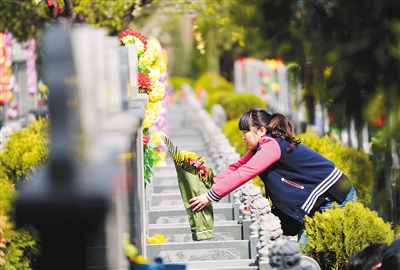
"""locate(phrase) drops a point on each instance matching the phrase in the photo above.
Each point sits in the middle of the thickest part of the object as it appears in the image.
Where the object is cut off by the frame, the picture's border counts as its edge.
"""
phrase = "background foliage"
(25, 151)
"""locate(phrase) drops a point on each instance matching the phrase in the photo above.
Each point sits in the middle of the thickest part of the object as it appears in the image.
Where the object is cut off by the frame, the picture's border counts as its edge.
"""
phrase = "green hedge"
(235, 104)
(178, 82)
(25, 151)
(213, 83)
(336, 234)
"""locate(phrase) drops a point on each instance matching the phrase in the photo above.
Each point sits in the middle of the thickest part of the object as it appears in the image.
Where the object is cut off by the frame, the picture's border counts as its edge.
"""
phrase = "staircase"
(232, 247)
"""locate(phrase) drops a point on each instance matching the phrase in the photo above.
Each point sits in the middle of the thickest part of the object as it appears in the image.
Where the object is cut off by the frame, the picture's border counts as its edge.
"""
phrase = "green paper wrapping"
(201, 222)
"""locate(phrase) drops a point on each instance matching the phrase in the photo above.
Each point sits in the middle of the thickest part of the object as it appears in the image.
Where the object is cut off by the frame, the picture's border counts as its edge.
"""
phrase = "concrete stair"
(166, 214)
(231, 248)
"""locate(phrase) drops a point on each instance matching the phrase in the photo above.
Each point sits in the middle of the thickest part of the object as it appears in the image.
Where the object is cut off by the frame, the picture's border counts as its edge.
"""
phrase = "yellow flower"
(158, 92)
(153, 44)
(44, 89)
(163, 60)
(128, 40)
(191, 155)
(149, 119)
(147, 58)
(154, 74)
(156, 239)
(186, 155)
(328, 72)
(181, 157)
(139, 259)
(156, 138)
(155, 107)
(139, 45)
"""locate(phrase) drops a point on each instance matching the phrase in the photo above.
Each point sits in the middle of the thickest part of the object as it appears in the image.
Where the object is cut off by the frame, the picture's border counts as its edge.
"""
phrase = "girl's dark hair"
(254, 117)
(277, 124)
(281, 127)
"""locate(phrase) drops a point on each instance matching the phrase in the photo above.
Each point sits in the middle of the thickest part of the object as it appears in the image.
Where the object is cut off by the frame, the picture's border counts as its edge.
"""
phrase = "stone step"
(178, 214)
(199, 251)
(164, 186)
(223, 231)
(173, 198)
(223, 264)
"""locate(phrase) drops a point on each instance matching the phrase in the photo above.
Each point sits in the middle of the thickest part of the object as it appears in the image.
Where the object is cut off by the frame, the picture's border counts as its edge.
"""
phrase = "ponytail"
(281, 127)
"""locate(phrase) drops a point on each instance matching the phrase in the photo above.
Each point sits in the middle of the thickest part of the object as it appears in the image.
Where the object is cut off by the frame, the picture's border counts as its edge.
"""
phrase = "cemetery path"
(167, 215)
(193, 129)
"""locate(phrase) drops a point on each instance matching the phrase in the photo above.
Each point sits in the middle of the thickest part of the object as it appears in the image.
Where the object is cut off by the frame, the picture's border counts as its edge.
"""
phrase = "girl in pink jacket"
(297, 179)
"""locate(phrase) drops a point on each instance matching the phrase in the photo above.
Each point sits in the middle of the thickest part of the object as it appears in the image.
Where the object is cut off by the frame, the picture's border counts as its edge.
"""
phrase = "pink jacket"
(246, 168)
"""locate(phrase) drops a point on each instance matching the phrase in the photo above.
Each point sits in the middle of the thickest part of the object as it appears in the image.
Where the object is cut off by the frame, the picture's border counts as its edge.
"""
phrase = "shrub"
(178, 82)
(25, 150)
(352, 162)
(215, 98)
(335, 235)
(235, 104)
(213, 83)
(232, 132)
(17, 246)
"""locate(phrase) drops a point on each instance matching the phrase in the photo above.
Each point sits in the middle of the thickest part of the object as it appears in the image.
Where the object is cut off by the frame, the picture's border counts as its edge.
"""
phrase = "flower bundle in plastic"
(194, 179)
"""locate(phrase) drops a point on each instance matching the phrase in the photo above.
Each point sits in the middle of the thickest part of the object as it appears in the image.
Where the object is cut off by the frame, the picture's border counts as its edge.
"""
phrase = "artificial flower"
(149, 118)
(5, 68)
(156, 138)
(154, 107)
(146, 59)
(31, 74)
(146, 139)
(144, 83)
(158, 92)
(154, 74)
(154, 45)
(140, 48)
(130, 36)
(156, 239)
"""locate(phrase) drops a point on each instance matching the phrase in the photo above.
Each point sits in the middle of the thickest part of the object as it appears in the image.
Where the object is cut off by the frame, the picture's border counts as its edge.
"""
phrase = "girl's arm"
(268, 153)
(233, 167)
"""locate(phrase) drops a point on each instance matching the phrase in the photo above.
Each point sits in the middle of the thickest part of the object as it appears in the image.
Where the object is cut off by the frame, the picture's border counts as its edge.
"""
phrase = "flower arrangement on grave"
(149, 74)
(194, 179)
(131, 36)
(7, 80)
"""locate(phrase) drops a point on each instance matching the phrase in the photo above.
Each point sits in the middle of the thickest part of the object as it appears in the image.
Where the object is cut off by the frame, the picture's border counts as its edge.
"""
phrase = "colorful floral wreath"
(131, 36)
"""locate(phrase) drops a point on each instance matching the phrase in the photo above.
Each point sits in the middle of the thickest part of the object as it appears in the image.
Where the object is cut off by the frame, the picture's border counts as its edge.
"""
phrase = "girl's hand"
(199, 202)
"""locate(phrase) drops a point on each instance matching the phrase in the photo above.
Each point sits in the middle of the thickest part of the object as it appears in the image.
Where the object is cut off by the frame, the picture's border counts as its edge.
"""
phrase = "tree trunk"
(128, 16)
(69, 12)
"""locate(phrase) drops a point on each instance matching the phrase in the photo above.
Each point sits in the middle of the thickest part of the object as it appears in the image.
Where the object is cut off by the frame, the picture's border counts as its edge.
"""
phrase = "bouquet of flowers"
(194, 179)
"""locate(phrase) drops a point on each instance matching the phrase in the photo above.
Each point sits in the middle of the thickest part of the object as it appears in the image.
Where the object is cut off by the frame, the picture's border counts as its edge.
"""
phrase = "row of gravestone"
(84, 202)
(243, 239)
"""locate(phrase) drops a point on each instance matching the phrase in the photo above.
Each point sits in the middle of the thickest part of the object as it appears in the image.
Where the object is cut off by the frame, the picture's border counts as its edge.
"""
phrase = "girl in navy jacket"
(297, 179)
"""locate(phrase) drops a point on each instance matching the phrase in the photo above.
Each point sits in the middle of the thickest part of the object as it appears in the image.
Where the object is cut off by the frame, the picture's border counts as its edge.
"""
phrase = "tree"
(25, 18)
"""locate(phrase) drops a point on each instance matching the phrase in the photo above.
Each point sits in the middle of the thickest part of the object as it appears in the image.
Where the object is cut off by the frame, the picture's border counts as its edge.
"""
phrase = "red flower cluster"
(144, 82)
(131, 32)
(51, 5)
(146, 139)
